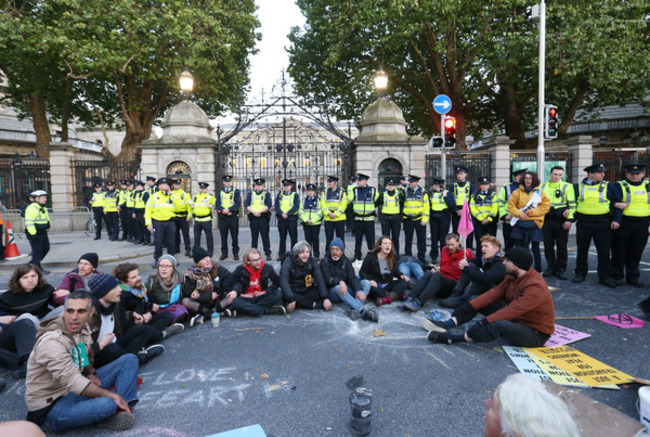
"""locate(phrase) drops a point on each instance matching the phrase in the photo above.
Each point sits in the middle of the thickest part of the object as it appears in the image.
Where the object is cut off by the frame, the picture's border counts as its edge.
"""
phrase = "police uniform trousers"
(207, 228)
(312, 237)
(290, 226)
(98, 216)
(330, 227)
(507, 230)
(229, 223)
(40, 244)
(628, 243)
(556, 240)
(439, 225)
(480, 229)
(599, 230)
(138, 225)
(260, 225)
(124, 222)
(182, 227)
(349, 218)
(391, 224)
(163, 234)
(363, 228)
(455, 220)
(411, 226)
(112, 225)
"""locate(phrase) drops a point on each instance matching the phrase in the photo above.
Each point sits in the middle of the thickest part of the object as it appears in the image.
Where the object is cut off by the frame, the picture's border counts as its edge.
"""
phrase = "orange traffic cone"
(11, 250)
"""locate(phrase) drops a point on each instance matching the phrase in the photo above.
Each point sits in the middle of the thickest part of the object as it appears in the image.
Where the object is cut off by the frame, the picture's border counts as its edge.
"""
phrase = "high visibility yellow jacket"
(36, 218)
(160, 206)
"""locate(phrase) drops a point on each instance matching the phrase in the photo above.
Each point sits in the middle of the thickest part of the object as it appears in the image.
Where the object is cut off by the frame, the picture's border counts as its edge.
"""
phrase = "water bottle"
(361, 406)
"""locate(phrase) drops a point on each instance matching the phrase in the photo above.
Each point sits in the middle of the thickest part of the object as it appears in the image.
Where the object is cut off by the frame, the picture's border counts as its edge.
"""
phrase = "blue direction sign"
(442, 104)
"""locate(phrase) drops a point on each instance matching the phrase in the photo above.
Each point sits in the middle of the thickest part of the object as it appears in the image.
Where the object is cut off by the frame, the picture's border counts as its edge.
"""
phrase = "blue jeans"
(75, 411)
(348, 298)
(411, 269)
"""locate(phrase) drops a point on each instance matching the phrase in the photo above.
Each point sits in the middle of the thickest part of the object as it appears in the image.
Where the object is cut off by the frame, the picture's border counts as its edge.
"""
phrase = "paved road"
(289, 374)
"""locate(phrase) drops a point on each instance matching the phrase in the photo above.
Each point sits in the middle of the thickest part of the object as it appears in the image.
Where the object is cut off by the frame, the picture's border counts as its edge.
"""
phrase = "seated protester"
(523, 406)
(519, 309)
(645, 307)
(17, 338)
(411, 267)
(379, 273)
(111, 339)
(203, 290)
(77, 279)
(439, 283)
(135, 306)
(63, 390)
(302, 281)
(164, 288)
(343, 284)
(29, 295)
(479, 274)
(254, 288)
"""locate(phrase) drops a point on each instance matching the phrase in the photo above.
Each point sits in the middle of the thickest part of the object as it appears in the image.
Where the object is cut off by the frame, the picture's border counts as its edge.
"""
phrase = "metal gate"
(20, 176)
(87, 172)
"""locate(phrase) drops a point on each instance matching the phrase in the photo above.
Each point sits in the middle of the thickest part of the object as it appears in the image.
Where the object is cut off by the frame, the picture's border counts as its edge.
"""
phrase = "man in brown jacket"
(519, 309)
(63, 391)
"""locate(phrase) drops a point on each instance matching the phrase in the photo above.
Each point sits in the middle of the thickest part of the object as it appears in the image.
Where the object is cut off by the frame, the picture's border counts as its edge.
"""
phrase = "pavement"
(289, 373)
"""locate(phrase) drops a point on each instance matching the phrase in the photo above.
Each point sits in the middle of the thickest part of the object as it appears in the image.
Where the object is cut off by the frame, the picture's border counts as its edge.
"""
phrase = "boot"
(454, 300)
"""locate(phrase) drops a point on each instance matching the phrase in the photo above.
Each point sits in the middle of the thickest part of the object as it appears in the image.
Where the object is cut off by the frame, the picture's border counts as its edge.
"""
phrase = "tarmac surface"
(289, 373)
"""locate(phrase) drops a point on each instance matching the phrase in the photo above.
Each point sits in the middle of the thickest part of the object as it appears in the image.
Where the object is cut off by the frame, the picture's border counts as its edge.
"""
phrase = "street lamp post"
(186, 82)
(542, 79)
(381, 81)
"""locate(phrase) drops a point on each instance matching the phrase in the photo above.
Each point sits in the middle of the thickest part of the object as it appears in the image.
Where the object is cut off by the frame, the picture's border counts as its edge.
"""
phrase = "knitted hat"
(91, 257)
(521, 257)
(101, 284)
(198, 253)
(338, 243)
(169, 257)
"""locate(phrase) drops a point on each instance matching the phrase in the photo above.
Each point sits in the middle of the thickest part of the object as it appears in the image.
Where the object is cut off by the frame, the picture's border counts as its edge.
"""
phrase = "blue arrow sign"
(442, 104)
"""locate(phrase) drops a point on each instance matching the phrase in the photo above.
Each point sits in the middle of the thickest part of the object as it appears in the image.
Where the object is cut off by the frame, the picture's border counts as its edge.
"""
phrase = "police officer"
(183, 215)
(140, 197)
(37, 223)
(110, 212)
(504, 196)
(130, 205)
(97, 205)
(364, 200)
(334, 203)
(594, 198)
(402, 184)
(159, 218)
(628, 241)
(311, 217)
(258, 204)
(349, 213)
(462, 190)
(202, 205)
(122, 195)
(442, 203)
(557, 222)
(391, 203)
(416, 217)
(484, 208)
(227, 205)
(151, 184)
(287, 205)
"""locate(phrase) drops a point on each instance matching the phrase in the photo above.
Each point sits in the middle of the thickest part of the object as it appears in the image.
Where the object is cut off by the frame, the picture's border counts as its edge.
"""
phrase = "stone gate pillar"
(582, 155)
(61, 177)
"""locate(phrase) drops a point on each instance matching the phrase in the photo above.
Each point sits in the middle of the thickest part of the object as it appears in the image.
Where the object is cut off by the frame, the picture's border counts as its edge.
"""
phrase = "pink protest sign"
(564, 335)
(622, 320)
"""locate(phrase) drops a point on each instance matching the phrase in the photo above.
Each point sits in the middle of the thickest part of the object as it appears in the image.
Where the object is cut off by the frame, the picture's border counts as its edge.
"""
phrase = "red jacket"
(449, 262)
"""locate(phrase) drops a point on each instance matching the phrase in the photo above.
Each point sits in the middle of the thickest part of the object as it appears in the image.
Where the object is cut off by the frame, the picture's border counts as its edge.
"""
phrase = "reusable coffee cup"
(216, 318)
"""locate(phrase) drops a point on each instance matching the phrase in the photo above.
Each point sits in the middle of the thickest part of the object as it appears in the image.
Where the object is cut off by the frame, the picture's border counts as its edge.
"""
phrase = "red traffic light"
(450, 123)
(552, 112)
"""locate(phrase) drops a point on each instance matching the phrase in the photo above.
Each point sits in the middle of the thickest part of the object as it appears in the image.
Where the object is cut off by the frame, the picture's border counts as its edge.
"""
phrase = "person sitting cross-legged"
(343, 284)
(63, 390)
(302, 281)
(254, 287)
(380, 275)
(77, 279)
(520, 309)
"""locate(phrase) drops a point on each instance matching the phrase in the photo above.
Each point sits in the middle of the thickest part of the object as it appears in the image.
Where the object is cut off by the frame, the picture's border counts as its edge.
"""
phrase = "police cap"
(98, 185)
(332, 179)
(484, 180)
(203, 185)
(353, 178)
(162, 181)
(151, 178)
(596, 168)
(123, 182)
(287, 182)
(460, 168)
(413, 178)
(259, 181)
(176, 181)
(139, 183)
(391, 182)
(111, 183)
(362, 177)
(226, 178)
(519, 172)
(635, 168)
(438, 181)
(311, 187)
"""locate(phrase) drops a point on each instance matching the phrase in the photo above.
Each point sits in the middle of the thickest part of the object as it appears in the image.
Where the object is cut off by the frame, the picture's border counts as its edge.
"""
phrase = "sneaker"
(174, 329)
(388, 300)
(379, 301)
(439, 337)
(276, 310)
(118, 421)
(451, 302)
(370, 315)
(412, 304)
(153, 351)
(577, 279)
(226, 313)
(432, 325)
(196, 320)
(353, 314)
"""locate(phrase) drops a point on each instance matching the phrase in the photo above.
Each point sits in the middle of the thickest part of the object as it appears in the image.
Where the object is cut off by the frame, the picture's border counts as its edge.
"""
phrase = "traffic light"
(436, 142)
(450, 132)
(551, 122)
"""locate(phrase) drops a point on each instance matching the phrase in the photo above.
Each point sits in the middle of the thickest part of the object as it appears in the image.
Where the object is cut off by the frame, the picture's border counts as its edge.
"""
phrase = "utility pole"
(542, 80)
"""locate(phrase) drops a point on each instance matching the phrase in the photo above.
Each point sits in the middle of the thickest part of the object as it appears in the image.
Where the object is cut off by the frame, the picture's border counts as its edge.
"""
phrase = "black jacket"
(35, 303)
(340, 270)
(130, 303)
(486, 272)
(189, 286)
(240, 279)
(370, 270)
(294, 278)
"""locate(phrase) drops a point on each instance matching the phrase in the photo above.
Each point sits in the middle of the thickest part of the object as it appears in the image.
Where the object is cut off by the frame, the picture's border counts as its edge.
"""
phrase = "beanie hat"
(101, 283)
(338, 243)
(169, 257)
(198, 253)
(91, 257)
(521, 257)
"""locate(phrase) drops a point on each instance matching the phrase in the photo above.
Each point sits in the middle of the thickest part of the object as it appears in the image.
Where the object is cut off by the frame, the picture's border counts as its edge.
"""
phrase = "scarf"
(167, 287)
(255, 276)
(140, 293)
(202, 277)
